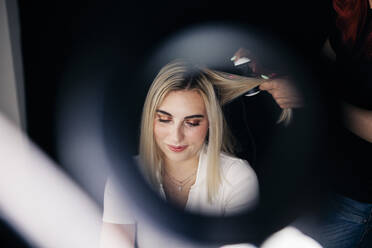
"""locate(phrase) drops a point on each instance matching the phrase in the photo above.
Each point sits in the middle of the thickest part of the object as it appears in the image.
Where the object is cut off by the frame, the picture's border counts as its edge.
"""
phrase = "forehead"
(183, 103)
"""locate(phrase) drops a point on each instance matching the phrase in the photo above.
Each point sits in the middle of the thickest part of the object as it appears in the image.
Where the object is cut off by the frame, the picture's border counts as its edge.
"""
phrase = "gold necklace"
(179, 183)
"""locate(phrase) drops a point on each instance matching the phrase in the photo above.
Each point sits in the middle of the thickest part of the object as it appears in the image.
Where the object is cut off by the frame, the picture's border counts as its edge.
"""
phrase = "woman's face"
(181, 125)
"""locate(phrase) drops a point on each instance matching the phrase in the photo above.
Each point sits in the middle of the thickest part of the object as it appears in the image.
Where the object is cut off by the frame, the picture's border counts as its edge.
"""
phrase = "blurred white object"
(290, 237)
(241, 61)
(12, 100)
(239, 246)
(38, 200)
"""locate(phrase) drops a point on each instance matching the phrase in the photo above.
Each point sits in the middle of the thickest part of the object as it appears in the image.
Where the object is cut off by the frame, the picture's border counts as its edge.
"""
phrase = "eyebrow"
(187, 117)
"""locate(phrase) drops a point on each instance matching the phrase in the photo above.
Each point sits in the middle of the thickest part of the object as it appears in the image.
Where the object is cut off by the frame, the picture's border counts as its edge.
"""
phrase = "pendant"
(179, 188)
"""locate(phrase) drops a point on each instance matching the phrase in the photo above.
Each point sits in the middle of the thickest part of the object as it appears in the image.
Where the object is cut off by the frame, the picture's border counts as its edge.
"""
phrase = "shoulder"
(239, 185)
(233, 167)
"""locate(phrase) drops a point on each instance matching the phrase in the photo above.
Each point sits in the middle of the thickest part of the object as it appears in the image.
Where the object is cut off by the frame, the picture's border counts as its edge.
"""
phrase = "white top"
(238, 191)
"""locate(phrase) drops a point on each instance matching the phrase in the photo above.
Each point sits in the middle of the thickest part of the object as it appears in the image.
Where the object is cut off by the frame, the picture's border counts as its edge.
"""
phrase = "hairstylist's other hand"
(284, 92)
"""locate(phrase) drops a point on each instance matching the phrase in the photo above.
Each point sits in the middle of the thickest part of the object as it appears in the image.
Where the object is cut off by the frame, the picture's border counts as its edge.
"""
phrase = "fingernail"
(233, 58)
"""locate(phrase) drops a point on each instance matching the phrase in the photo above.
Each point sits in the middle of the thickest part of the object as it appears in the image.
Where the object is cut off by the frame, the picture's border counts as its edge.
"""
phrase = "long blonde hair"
(216, 88)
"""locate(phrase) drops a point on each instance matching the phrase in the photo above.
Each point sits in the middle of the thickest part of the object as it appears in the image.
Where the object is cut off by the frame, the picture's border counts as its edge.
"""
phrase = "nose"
(177, 134)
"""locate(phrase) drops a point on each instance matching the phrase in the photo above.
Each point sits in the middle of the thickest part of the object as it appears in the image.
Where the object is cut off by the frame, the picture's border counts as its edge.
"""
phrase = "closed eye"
(164, 120)
(193, 123)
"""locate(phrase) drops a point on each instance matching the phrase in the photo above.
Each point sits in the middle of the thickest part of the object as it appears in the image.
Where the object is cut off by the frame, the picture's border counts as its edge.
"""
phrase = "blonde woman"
(185, 151)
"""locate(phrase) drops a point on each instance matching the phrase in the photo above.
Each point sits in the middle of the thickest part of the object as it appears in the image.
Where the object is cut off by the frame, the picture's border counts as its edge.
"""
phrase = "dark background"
(53, 33)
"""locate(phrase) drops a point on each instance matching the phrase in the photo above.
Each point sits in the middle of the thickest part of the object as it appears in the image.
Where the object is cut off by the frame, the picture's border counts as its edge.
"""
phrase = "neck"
(181, 168)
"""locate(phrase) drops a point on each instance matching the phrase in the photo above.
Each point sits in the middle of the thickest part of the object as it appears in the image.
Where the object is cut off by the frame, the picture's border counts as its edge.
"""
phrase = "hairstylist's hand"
(283, 92)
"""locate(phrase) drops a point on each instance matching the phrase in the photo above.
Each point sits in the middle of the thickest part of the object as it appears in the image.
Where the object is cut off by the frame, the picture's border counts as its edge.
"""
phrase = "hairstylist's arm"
(281, 89)
(359, 121)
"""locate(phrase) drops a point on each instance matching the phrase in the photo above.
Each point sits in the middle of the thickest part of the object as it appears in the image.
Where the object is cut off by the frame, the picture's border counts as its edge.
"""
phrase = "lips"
(177, 148)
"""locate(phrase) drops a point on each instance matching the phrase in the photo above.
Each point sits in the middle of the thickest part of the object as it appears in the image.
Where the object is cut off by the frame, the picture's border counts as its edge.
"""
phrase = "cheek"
(160, 132)
(198, 135)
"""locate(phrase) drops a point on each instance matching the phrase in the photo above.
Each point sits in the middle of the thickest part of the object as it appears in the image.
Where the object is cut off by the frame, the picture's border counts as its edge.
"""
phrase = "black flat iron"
(242, 68)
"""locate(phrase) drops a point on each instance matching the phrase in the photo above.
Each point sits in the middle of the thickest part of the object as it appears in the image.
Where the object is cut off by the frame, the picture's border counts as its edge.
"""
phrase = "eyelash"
(190, 124)
(162, 120)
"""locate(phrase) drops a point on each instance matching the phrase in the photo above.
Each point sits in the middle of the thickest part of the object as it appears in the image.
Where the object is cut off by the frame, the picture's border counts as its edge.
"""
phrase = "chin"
(176, 157)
